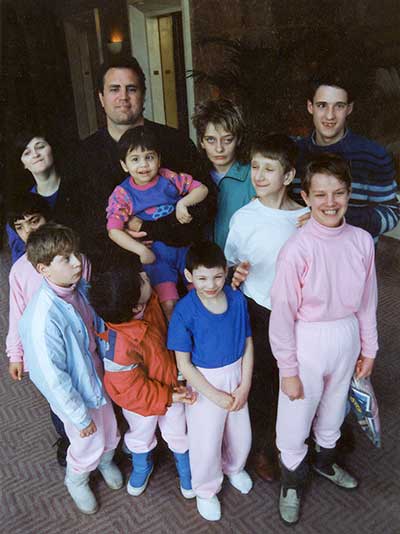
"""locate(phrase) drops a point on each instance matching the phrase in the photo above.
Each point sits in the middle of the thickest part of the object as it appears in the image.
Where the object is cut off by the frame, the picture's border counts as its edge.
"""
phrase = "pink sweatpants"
(84, 454)
(141, 436)
(327, 353)
(219, 441)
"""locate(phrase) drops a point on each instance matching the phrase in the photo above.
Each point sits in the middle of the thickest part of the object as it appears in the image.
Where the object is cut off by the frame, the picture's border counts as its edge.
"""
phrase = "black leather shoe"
(62, 445)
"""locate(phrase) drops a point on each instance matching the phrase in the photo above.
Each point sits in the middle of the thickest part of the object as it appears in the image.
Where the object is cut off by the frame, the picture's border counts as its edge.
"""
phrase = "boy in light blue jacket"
(57, 331)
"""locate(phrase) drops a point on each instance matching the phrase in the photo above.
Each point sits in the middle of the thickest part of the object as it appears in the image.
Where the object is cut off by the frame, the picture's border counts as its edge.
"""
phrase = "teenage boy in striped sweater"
(373, 203)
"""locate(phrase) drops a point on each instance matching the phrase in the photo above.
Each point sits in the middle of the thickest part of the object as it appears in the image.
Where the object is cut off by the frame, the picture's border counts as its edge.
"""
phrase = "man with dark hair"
(122, 88)
(373, 204)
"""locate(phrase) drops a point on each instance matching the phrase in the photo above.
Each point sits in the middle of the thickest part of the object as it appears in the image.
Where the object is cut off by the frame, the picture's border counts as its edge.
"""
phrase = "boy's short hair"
(49, 241)
(276, 146)
(220, 112)
(120, 62)
(326, 163)
(205, 254)
(334, 78)
(27, 204)
(138, 137)
(113, 294)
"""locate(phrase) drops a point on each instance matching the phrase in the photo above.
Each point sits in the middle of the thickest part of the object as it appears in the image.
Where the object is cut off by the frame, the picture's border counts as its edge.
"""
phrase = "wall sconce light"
(115, 44)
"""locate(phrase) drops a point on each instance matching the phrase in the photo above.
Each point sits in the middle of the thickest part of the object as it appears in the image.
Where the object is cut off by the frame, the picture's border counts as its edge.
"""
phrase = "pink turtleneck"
(323, 274)
(73, 297)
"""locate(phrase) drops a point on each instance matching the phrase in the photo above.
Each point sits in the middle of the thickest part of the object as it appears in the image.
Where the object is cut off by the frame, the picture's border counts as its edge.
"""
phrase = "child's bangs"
(66, 243)
(144, 145)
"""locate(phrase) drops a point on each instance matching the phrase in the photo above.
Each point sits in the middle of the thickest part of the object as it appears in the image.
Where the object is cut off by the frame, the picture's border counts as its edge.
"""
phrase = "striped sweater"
(373, 203)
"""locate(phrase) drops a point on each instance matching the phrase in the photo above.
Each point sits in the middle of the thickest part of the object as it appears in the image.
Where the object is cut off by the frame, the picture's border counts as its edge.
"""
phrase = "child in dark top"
(150, 193)
(210, 333)
(141, 374)
(29, 212)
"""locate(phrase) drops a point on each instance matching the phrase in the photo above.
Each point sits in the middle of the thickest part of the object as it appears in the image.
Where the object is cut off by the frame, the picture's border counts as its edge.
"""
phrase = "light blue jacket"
(234, 191)
(56, 348)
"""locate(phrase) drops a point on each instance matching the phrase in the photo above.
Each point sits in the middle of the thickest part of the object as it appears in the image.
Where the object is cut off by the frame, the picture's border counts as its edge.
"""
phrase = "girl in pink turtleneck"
(322, 328)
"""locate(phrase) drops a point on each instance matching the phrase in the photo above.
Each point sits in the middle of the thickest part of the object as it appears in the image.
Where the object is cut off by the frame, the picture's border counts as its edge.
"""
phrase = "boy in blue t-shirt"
(210, 333)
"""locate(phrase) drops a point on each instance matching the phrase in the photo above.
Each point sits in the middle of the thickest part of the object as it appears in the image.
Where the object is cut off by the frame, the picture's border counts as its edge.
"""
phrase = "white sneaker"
(187, 493)
(209, 509)
(241, 481)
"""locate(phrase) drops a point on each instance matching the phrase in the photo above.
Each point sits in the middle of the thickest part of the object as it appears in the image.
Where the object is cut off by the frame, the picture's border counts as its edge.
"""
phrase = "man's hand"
(240, 274)
(301, 221)
(292, 386)
(88, 431)
(135, 224)
(15, 370)
(182, 213)
(364, 366)
(147, 256)
(139, 236)
(240, 396)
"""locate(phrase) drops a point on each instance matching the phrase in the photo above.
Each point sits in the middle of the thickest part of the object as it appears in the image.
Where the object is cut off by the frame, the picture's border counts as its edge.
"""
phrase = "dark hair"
(27, 204)
(24, 137)
(138, 137)
(221, 112)
(113, 294)
(276, 146)
(334, 78)
(326, 163)
(121, 62)
(49, 241)
(205, 254)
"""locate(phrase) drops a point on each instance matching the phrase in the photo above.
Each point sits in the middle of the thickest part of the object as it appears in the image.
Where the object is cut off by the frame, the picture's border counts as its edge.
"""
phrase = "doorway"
(160, 40)
(84, 54)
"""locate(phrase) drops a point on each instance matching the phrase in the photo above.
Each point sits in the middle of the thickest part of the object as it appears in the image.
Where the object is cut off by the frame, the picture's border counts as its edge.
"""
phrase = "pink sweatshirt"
(24, 281)
(323, 274)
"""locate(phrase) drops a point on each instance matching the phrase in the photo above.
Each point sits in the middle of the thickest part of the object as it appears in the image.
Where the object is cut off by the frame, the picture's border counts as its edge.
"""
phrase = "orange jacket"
(146, 389)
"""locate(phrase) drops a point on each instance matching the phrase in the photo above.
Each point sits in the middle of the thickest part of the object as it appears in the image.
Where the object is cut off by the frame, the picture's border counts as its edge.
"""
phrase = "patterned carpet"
(34, 500)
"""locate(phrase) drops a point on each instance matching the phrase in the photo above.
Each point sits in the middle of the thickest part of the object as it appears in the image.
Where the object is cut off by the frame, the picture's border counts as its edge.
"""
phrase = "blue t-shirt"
(215, 340)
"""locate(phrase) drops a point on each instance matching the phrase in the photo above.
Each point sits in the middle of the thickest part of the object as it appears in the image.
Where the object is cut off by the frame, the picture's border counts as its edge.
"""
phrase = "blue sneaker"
(142, 469)
(185, 476)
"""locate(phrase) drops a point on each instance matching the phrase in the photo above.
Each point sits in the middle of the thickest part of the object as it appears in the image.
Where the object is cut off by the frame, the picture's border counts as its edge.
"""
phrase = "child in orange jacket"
(141, 374)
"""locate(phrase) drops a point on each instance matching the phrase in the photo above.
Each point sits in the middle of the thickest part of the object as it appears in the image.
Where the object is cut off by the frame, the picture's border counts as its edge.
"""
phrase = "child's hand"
(184, 395)
(88, 431)
(223, 400)
(240, 274)
(15, 370)
(147, 256)
(364, 366)
(182, 213)
(133, 229)
(292, 386)
(240, 396)
(301, 221)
